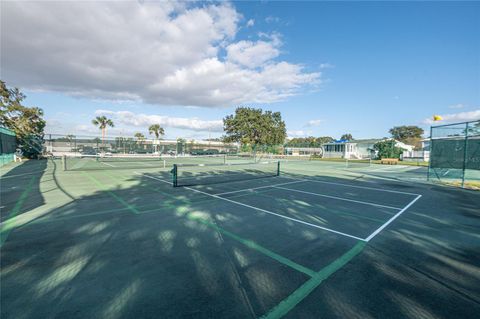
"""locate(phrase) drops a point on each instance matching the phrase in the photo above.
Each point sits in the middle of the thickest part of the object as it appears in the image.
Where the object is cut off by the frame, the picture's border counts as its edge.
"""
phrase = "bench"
(389, 161)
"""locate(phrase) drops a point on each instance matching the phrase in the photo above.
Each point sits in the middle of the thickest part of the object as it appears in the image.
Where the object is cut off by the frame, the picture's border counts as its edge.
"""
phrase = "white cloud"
(456, 106)
(314, 122)
(252, 54)
(250, 23)
(144, 120)
(326, 66)
(296, 133)
(456, 117)
(271, 19)
(167, 53)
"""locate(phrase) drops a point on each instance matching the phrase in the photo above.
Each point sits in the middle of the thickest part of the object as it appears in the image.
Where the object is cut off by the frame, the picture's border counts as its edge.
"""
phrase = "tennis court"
(112, 238)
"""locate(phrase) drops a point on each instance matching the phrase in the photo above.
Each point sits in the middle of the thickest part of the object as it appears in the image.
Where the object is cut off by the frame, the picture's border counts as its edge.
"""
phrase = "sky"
(329, 67)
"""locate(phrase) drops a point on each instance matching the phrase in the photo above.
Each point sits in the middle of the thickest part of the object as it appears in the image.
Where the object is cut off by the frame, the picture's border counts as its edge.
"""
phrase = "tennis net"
(98, 162)
(201, 174)
(358, 163)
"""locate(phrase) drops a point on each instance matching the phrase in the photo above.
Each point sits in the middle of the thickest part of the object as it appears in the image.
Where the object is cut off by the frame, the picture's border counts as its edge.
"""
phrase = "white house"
(420, 155)
(357, 149)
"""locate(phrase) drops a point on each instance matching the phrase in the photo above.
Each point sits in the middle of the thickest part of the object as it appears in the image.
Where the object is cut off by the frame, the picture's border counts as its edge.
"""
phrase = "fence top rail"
(458, 123)
(7, 131)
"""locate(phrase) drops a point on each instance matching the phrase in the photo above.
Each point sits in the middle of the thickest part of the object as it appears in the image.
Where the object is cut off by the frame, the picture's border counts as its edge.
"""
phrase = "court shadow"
(20, 187)
(132, 246)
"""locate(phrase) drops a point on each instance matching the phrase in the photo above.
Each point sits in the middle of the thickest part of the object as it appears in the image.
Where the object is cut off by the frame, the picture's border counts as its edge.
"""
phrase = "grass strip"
(304, 290)
(10, 223)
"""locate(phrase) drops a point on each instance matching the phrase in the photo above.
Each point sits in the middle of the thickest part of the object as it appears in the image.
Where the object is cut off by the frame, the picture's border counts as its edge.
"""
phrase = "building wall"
(333, 155)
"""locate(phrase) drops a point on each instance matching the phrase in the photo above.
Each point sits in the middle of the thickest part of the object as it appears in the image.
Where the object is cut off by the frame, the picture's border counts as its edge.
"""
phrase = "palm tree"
(139, 136)
(157, 130)
(192, 145)
(102, 122)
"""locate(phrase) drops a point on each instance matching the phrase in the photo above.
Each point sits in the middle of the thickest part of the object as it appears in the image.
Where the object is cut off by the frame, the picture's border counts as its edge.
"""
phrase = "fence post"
(175, 175)
(465, 145)
(430, 154)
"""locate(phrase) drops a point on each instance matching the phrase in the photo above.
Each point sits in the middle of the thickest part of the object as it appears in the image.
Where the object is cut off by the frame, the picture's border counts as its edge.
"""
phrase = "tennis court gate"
(455, 154)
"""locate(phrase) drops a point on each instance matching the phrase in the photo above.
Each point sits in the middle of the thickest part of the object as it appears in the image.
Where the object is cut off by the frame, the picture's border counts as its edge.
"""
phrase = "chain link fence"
(455, 154)
(73, 145)
(8, 146)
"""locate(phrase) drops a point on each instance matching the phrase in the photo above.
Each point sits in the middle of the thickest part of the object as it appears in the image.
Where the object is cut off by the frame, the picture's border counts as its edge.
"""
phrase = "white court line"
(155, 178)
(355, 186)
(339, 198)
(108, 164)
(275, 214)
(375, 233)
(260, 209)
(251, 189)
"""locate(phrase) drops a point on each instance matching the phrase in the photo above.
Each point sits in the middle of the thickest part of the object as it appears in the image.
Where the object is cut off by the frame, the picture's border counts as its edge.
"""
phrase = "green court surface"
(322, 240)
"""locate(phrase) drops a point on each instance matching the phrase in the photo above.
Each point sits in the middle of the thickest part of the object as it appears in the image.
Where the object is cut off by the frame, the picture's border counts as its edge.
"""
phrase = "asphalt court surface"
(126, 244)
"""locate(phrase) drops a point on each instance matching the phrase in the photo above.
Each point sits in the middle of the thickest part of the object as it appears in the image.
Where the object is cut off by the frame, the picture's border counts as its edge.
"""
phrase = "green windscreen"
(8, 146)
(455, 153)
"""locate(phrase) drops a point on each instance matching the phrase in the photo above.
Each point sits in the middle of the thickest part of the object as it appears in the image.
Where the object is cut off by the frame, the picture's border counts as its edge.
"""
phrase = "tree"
(157, 130)
(387, 149)
(402, 133)
(473, 130)
(27, 122)
(139, 136)
(102, 122)
(347, 137)
(254, 127)
(324, 139)
(309, 141)
(411, 135)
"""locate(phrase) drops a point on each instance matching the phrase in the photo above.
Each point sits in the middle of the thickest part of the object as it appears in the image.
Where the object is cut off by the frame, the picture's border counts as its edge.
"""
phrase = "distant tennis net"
(201, 174)
(99, 162)
(358, 163)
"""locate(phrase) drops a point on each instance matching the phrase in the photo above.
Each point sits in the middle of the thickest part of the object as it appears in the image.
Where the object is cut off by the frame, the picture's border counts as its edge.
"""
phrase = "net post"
(465, 145)
(430, 155)
(174, 175)
(64, 162)
(278, 168)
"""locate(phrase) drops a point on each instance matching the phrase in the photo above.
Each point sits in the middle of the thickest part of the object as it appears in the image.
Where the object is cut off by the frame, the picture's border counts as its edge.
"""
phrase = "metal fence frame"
(475, 125)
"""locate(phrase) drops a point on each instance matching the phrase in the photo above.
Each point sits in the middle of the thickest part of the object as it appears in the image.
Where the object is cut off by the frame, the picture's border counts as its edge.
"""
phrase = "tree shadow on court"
(20, 187)
(425, 264)
(140, 251)
(129, 246)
